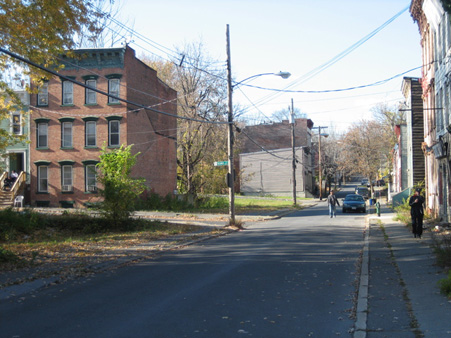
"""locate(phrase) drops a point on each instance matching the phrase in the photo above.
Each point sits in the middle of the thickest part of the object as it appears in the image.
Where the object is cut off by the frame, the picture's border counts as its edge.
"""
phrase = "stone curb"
(360, 325)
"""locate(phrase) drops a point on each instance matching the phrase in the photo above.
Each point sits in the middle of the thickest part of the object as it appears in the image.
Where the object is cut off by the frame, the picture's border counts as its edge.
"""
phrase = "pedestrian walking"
(416, 203)
(332, 201)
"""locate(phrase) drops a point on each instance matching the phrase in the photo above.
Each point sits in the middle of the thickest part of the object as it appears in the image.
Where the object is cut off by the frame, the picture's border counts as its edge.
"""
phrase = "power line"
(332, 61)
(141, 106)
(337, 90)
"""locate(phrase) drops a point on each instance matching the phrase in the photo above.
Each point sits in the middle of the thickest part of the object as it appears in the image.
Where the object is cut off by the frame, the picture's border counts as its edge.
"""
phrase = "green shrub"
(445, 285)
(154, 201)
(442, 249)
(14, 224)
(7, 256)
(213, 202)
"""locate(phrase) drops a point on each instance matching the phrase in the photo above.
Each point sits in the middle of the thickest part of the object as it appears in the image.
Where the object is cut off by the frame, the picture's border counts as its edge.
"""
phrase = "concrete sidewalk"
(400, 290)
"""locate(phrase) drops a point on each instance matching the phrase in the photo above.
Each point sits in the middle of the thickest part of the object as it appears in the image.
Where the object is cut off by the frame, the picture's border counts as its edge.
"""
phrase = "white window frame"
(90, 177)
(43, 182)
(91, 95)
(15, 124)
(111, 134)
(89, 135)
(43, 95)
(67, 178)
(66, 134)
(68, 92)
(42, 131)
(114, 89)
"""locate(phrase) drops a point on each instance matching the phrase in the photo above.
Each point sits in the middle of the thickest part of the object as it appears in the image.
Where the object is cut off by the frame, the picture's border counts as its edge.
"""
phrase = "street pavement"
(288, 277)
(398, 295)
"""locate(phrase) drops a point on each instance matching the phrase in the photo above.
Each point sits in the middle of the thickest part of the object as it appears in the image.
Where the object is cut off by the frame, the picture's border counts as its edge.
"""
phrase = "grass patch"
(216, 204)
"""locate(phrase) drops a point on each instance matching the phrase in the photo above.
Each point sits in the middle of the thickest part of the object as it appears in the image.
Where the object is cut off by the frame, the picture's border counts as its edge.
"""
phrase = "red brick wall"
(157, 162)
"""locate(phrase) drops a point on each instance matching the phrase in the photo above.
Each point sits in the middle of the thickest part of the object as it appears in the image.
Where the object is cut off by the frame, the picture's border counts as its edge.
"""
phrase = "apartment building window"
(90, 131)
(43, 94)
(114, 125)
(16, 123)
(91, 134)
(68, 93)
(42, 135)
(440, 112)
(67, 178)
(43, 178)
(114, 82)
(90, 95)
(66, 132)
(90, 175)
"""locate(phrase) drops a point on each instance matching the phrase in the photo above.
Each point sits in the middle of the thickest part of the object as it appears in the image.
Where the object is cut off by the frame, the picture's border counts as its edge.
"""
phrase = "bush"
(445, 285)
(442, 249)
(14, 224)
(213, 202)
(154, 201)
(7, 256)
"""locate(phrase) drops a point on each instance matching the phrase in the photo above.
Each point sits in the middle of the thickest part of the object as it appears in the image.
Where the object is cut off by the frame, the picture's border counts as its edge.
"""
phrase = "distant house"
(400, 159)
(265, 159)
(18, 124)
(70, 124)
(17, 155)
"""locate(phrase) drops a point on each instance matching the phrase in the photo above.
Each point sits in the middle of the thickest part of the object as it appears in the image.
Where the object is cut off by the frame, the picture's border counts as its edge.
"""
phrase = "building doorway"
(17, 162)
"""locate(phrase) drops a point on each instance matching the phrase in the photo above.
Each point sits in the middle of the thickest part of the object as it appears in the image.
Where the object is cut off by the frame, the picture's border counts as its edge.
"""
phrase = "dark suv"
(362, 191)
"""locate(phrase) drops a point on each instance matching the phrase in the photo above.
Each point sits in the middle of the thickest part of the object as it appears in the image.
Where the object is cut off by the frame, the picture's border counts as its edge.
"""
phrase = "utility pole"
(320, 162)
(230, 174)
(294, 152)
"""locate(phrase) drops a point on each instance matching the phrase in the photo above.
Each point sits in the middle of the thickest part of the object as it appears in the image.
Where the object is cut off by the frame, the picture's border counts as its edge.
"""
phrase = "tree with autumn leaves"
(40, 31)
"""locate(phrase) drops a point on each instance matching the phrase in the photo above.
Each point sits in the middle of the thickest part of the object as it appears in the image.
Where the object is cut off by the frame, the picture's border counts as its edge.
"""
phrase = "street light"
(230, 86)
(283, 75)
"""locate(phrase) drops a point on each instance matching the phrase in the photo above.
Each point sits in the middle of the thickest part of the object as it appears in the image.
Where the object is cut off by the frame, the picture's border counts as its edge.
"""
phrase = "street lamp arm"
(283, 75)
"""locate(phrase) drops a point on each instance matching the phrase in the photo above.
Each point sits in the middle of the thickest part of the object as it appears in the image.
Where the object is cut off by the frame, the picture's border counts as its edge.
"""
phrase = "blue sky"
(295, 36)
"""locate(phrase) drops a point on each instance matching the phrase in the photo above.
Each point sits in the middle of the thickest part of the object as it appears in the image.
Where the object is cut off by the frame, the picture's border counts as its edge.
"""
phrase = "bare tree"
(202, 94)
(388, 117)
(364, 146)
(111, 28)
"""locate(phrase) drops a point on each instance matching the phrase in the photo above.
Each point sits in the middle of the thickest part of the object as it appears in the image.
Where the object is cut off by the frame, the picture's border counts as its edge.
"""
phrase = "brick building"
(71, 123)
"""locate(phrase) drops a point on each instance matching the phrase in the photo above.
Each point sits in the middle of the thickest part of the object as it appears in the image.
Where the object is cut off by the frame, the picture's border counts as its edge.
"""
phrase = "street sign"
(217, 164)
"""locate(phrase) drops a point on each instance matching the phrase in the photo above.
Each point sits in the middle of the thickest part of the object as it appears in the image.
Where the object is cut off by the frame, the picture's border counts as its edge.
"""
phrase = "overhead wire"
(141, 106)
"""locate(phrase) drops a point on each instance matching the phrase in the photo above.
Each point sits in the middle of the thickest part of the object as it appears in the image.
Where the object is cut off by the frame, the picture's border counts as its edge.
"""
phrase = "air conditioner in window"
(92, 188)
(66, 188)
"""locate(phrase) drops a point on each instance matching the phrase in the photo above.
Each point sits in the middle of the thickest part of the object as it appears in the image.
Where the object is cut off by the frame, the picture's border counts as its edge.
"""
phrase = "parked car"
(363, 191)
(380, 183)
(354, 202)
(365, 182)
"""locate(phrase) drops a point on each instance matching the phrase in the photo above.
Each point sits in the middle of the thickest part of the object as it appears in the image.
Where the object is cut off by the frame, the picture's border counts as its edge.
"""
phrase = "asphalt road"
(292, 277)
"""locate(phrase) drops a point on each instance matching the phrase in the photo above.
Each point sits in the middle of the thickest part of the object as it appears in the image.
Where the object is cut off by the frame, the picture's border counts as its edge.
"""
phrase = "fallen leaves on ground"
(78, 257)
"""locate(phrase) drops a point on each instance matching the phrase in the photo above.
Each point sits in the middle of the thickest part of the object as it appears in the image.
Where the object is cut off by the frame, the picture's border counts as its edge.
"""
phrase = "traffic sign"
(217, 164)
